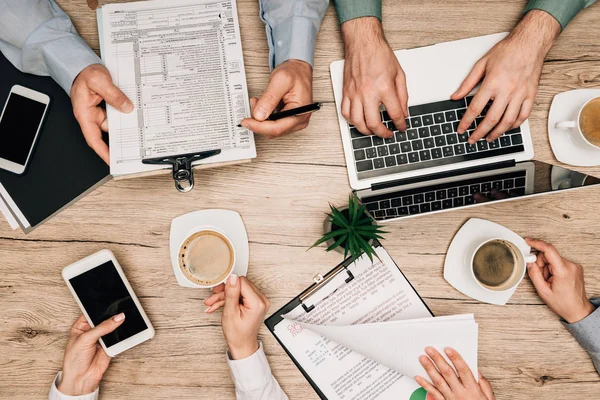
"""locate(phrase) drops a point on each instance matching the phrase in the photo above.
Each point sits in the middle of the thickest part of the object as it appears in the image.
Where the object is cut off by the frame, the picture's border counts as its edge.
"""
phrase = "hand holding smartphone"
(20, 124)
(102, 291)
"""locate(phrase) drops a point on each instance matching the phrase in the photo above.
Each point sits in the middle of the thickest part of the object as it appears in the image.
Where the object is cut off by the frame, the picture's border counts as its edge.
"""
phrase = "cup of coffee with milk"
(586, 128)
(499, 265)
(206, 258)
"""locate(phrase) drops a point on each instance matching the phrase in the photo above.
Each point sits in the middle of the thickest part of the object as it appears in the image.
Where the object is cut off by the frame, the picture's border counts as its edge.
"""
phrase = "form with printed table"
(181, 64)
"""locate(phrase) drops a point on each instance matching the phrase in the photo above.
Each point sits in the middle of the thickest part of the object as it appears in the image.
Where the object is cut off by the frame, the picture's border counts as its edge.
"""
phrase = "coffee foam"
(589, 121)
(206, 258)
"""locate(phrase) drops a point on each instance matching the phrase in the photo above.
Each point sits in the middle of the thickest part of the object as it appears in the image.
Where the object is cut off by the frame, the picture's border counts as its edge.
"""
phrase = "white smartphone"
(102, 291)
(20, 123)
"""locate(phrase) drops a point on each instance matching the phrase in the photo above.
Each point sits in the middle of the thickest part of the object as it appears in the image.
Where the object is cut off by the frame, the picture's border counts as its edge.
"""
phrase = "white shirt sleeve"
(37, 37)
(55, 394)
(253, 379)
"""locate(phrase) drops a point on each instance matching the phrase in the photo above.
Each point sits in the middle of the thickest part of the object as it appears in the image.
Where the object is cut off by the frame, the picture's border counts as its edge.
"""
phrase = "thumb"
(266, 104)
(105, 327)
(111, 94)
(470, 81)
(232, 295)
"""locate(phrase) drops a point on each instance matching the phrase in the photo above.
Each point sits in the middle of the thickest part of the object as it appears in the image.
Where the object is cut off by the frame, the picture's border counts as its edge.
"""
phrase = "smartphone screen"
(18, 127)
(103, 295)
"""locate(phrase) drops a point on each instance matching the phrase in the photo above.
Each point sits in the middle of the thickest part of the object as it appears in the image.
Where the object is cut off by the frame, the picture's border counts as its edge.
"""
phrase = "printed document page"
(181, 63)
(379, 292)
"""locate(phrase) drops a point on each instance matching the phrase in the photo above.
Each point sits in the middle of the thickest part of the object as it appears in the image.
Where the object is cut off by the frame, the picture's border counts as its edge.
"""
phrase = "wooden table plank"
(282, 196)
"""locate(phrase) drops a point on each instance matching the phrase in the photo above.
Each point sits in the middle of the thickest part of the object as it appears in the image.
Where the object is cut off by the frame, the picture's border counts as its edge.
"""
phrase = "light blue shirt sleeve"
(37, 37)
(292, 27)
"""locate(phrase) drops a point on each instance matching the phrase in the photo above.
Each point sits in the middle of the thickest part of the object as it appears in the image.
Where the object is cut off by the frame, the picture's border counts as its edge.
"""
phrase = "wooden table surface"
(282, 196)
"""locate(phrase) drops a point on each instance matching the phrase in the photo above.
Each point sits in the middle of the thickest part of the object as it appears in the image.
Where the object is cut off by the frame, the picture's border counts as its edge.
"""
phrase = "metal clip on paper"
(183, 174)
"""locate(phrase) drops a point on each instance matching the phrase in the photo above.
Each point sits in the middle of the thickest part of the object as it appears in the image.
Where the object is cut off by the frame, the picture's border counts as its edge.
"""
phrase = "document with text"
(361, 339)
(181, 64)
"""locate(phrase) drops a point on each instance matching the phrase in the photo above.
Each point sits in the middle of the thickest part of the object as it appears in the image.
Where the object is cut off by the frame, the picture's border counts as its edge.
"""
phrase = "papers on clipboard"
(181, 64)
(359, 333)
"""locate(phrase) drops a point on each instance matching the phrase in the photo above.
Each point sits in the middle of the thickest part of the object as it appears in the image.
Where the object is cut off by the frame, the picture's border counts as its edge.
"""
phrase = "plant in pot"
(350, 230)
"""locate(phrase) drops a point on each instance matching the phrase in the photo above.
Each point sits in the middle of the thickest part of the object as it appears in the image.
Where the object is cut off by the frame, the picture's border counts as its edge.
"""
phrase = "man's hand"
(85, 360)
(90, 88)
(372, 76)
(511, 73)
(244, 309)
(447, 385)
(290, 84)
(559, 283)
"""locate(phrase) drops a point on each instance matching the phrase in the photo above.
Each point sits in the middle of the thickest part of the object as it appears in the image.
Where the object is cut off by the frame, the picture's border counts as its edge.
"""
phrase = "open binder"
(348, 274)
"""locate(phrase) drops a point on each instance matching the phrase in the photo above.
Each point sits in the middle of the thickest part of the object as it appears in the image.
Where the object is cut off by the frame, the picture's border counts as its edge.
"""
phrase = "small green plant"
(353, 232)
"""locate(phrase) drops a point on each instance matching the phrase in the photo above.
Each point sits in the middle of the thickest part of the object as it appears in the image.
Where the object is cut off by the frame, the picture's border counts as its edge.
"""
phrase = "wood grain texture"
(282, 196)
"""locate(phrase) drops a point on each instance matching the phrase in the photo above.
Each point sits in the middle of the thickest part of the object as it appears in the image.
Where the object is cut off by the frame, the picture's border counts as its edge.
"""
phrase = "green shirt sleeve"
(351, 9)
(562, 10)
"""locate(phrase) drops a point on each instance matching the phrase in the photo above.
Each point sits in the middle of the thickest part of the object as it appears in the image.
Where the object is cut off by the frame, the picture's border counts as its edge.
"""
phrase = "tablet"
(102, 291)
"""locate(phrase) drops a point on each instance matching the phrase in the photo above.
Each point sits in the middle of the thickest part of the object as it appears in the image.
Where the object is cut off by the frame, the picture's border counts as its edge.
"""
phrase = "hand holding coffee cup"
(499, 265)
(206, 258)
(559, 282)
(587, 124)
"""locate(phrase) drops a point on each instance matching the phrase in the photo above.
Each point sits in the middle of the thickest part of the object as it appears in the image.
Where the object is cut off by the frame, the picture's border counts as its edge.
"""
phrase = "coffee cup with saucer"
(226, 223)
(458, 270)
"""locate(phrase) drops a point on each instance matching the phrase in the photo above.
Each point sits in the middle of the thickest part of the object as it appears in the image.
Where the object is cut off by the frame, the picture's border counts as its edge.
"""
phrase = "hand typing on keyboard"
(290, 83)
(372, 76)
(511, 73)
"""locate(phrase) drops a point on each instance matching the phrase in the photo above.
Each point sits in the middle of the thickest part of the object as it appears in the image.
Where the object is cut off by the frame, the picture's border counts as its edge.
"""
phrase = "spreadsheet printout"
(181, 64)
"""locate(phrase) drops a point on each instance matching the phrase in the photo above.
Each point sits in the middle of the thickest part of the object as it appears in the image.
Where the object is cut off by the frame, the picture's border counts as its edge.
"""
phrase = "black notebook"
(62, 168)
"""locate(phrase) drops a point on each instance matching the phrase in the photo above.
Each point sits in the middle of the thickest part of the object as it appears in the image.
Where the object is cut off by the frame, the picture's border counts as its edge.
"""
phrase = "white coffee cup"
(521, 261)
(574, 127)
(221, 245)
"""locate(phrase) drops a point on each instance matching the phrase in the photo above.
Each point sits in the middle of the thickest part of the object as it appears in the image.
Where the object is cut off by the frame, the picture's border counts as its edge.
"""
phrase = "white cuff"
(55, 394)
(250, 373)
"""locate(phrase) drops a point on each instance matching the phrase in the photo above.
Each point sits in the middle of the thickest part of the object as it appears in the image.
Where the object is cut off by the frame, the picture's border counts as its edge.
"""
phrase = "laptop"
(430, 151)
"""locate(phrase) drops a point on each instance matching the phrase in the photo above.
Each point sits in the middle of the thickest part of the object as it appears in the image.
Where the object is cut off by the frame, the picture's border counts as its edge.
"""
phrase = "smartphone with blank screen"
(20, 123)
(102, 291)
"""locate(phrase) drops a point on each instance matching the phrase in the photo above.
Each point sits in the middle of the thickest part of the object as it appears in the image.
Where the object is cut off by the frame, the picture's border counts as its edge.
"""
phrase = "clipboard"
(303, 299)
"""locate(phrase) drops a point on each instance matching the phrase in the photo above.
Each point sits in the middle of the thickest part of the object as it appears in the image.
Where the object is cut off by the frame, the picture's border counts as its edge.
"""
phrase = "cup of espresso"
(587, 124)
(206, 258)
(499, 265)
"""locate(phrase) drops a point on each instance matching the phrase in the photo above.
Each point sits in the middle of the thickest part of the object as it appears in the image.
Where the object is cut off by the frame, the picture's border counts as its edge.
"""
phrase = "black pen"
(294, 112)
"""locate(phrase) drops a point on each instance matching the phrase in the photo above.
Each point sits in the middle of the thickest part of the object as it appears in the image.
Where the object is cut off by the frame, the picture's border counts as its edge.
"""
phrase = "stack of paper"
(181, 63)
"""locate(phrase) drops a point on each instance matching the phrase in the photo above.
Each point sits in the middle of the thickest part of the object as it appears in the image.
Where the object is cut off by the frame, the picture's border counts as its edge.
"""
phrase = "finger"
(111, 94)
(546, 272)
(93, 137)
(550, 252)
(464, 372)
(498, 195)
(279, 85)
(508, 120)
(219, 288)
(373, 118)
(232, 295)
(357, 117)
(251, 296)
(80, 325)
(402, 94)
(485, 386)
(438, 381)
(209, 301)
(429, 388)
(537, 278)
(445, 369)
(494, 115)
(104, 122)
(257, 291)
(105, 328)
(479, 198)
(272, 128)
(345, 109)
(474, 77)
(473, 111)
(215, 307)
(526, 108)
(394, 109)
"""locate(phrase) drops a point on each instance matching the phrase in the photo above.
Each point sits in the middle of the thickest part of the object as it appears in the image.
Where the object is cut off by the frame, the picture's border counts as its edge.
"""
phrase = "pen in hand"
(294, 112)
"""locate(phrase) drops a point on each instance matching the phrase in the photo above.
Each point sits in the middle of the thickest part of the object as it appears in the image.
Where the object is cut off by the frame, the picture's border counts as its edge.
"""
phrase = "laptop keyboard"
(445, 196)
(430, 140)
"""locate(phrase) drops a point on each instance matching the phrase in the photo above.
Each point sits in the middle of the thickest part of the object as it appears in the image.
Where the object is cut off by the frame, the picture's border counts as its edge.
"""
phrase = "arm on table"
(587, 333)
(38, 38)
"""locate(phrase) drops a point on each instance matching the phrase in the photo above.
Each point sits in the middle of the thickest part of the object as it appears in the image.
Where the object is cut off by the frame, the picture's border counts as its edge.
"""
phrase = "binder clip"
(183, 174)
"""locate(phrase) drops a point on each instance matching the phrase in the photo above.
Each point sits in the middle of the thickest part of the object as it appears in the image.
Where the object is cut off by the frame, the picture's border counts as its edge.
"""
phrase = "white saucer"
(457, 269)
(228, 222)
(566, 146)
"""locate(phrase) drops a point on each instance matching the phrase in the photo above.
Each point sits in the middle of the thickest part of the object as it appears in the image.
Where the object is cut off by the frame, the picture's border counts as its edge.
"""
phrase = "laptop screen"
(459, 190)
